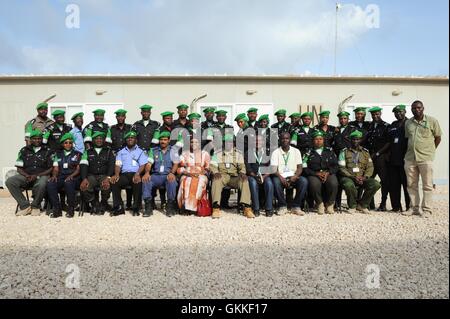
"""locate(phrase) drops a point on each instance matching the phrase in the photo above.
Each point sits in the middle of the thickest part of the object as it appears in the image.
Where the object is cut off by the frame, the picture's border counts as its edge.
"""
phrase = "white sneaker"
(283, 211)
(321, 209)
(297, 211)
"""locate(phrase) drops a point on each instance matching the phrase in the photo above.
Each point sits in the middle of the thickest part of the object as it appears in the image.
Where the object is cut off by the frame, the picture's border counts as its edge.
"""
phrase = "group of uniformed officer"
(60, 159)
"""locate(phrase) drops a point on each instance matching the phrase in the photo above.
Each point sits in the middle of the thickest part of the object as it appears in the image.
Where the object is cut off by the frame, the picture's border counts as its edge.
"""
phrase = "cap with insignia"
(228, 138)
(356, 134)
(375, 109)
(130, 134)
(35, 133)
(252, 110)
(195, 116)
(58, 113)
(165, 114)
(42, 106)
(295, 115)
(280, 112)
(318, 133)
(121, 112)
(399, 108)
(221, 112)
(343, 114)
(80, 114)
(307, 114)
(241, 117)
(264, 117)
(182, 107)
(325, 113)
(360, 109)
(209, 110)
(67, 136)
(98, 133)
(146, 107)
(164, 134)
(99, 112)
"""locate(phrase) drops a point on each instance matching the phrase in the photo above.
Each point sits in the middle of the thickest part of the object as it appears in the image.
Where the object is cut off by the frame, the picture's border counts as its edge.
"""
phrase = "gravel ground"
(188, 257)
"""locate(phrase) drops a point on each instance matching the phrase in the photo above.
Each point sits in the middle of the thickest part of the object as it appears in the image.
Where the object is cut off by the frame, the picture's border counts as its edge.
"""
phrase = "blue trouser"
(69, 188)
(268, 191)
(300, 186)
(159, 181)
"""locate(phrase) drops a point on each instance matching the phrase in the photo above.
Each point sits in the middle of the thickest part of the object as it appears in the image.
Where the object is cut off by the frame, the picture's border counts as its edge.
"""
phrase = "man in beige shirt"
(424, 136)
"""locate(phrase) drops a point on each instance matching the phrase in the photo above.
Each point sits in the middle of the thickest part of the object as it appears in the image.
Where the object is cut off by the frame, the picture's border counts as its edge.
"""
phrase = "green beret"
(67, 136)
(241, 117)
(398, 108)
(35, 133)
(58, 113)
(42, 106)
(343, 114)
(221, 112)
(264, 117)
(194, 116)
(375, 109)
(295, 115)
(164, 134)
(80, 114)
(120, 112)
(228, 137)
(182, 107)
(209, 110)
(318, 133)
(98, 133)
(165, 114)
(280, 112)
(325, 113)
(307, 114)
(360, 109)
(99, 112)
(146, 107)
(252, 110)
(356, 134)
(130, 134)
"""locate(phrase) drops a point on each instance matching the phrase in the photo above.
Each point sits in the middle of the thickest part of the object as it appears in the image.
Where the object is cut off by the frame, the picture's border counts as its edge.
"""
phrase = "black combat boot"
(148, 211)
(70, 212)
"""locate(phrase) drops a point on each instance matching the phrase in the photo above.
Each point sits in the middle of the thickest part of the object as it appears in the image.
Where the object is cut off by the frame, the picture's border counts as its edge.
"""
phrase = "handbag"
(204, 208)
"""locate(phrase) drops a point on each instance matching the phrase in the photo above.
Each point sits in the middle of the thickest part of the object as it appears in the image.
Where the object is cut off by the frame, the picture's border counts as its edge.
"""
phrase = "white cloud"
(195, 36)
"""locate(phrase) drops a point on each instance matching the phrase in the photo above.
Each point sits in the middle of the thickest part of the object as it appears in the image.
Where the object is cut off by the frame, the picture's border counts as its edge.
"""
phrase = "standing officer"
(182, 120)
(323, 126)
(97, 167)
(303, 138)
(41, 122)
(209, 115)
(360, 122)
(356, 169)
(252, 115)
(56, 130)
(282, 126)
(77, 132)
(245, 137)
(119, 130)
(98, 125)
(228, 169)
(65, 177)
(342, 133)
(145, 128)
(34, 165)
(377, 144)
(398, 144)
(130, 165)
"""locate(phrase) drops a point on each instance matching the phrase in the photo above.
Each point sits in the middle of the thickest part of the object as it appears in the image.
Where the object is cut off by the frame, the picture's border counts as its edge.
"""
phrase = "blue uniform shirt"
(131, 159)
(162, 163)
(67, 161)
(78, 143)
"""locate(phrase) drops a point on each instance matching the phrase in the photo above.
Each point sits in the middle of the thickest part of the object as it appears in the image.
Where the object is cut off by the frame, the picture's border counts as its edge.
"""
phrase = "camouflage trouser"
(370, 187)
(233, 182)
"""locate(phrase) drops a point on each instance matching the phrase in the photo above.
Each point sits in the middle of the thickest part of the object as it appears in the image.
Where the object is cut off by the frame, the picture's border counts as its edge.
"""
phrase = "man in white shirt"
(286, 162)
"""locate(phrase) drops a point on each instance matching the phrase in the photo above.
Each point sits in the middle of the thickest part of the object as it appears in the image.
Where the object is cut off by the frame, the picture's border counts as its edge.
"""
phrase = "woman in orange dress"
(193, 169)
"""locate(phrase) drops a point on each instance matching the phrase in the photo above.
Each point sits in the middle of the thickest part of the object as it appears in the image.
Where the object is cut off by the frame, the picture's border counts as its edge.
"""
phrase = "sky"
(379, 37)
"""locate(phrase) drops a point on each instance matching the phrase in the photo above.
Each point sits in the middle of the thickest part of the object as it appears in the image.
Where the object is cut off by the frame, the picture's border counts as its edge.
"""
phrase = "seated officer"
(97, 167)
(286, 164)
(321, 166)
(160, 173)
(130, 165)
(65, 177)
(34, 166)
(356, 169)
(228, 169)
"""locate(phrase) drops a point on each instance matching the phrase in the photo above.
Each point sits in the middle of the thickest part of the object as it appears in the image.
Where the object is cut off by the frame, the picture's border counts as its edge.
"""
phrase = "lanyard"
(286, 158)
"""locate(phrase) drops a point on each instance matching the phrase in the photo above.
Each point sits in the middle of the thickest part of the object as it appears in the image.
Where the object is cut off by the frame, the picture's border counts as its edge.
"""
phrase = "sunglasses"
(68, 142)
